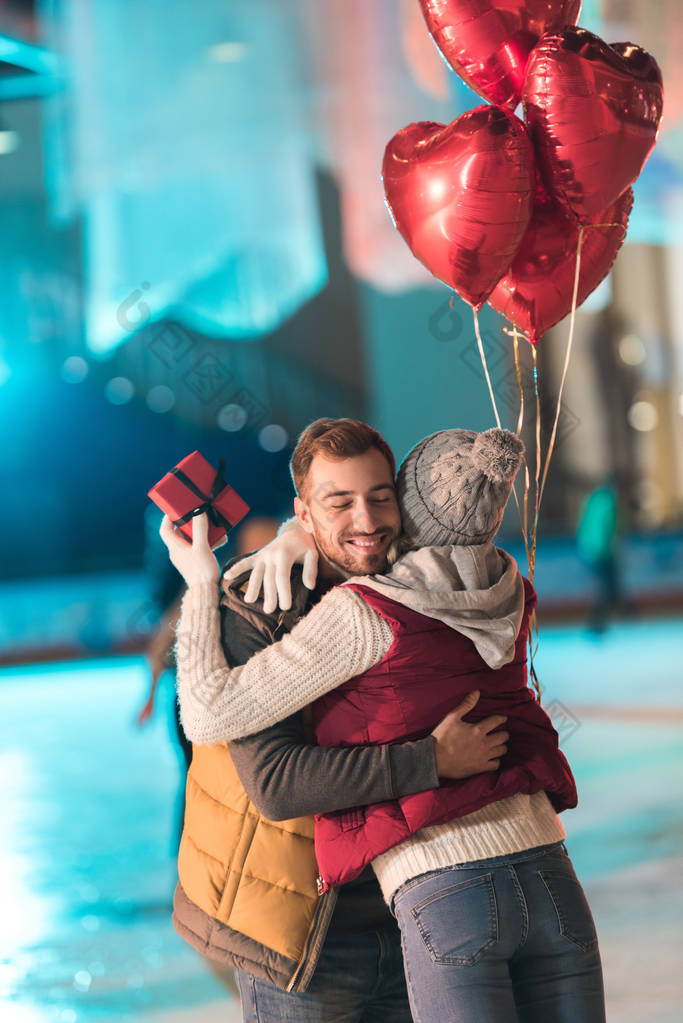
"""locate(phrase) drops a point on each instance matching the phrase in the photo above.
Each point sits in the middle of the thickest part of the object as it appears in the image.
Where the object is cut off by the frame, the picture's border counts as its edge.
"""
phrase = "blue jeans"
(359, 979)
(507, 940)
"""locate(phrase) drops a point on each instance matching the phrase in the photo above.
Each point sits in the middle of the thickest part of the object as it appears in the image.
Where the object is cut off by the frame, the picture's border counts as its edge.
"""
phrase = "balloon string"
(570, 340)
(533, 650)
(482, 356)
(521, 512)
(537, 474)
(520, 420)
(587, 227)
(533, 637)
(527, 483)
(533, 623)
(531, 557)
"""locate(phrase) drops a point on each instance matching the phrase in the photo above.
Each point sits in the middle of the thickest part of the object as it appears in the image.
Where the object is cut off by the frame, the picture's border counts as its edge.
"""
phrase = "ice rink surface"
(87, 866)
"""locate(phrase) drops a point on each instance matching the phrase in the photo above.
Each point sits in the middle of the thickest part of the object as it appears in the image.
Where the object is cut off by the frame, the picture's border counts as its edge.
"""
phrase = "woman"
(475, 871)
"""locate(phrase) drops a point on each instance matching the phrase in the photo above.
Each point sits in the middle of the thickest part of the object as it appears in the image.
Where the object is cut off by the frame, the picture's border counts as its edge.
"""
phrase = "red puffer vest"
(427, 671)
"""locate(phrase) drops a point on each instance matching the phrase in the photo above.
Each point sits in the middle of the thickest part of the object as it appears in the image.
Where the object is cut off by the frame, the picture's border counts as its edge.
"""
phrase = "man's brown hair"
(335, 438)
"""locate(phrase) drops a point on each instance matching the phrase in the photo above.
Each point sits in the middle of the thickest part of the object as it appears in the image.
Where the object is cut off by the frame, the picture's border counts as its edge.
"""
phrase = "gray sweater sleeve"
(286, 776)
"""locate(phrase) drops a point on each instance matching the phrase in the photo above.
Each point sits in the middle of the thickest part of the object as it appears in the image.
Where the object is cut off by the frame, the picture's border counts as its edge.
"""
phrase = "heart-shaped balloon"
(488, 42)
(593, 112)
(536, 292)
(462, 196)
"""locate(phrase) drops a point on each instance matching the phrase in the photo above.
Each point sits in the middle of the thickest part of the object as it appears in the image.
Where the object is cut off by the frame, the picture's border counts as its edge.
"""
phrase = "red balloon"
(488, 42)
(462, 195)
(593, 112)
(536, 292)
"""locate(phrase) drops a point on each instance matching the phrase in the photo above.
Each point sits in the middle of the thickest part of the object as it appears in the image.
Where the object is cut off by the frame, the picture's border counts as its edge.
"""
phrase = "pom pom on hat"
(497, 454)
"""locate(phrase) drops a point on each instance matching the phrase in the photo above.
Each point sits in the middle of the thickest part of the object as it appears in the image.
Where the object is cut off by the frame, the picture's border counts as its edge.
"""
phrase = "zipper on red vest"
(322, 885)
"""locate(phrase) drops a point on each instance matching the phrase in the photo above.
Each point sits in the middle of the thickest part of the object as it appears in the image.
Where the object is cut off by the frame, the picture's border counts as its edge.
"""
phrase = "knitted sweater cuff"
(199, 596)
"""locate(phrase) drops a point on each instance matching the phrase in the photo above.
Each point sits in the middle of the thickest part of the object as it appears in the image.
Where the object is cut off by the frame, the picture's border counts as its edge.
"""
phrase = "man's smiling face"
(350, 507)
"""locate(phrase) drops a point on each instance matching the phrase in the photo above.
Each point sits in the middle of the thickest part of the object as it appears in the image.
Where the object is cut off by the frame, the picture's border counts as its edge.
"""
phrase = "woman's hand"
(195, 561)
(271, 567)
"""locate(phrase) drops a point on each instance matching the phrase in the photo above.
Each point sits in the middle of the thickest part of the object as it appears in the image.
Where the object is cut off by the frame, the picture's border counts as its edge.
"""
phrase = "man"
(247, 887)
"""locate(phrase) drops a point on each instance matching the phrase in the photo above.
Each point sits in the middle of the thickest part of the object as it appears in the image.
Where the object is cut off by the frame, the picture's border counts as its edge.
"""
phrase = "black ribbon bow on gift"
(219, 484)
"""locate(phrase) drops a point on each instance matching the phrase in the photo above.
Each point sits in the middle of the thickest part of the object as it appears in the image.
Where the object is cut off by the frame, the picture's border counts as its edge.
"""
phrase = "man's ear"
(303, 515)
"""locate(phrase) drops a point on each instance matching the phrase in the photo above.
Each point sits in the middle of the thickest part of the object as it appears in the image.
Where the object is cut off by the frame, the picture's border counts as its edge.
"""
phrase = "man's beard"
(342, 557)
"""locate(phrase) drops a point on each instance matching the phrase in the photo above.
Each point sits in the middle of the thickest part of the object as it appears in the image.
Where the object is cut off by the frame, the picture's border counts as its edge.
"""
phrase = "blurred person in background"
(597, 541)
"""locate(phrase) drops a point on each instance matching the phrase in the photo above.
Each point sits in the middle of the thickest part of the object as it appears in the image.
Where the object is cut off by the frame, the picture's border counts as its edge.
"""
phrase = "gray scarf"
(476, 590)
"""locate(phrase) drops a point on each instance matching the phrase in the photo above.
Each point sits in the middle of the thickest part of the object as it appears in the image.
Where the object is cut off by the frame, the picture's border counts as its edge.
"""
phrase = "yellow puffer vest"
(248, 889)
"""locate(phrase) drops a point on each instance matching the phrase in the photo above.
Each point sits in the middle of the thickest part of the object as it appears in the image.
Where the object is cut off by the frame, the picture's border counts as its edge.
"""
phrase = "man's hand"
(272, 566)
(463, 749)
(195, 561)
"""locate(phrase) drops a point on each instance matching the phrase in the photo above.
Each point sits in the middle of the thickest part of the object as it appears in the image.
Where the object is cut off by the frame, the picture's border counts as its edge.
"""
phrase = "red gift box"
(195, 486)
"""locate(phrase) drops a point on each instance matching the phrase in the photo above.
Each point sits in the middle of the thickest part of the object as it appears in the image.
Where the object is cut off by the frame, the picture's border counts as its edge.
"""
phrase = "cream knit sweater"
(342, 636)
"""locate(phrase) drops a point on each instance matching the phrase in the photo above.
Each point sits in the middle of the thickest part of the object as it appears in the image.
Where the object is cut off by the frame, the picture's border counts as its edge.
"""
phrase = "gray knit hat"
(454, 485)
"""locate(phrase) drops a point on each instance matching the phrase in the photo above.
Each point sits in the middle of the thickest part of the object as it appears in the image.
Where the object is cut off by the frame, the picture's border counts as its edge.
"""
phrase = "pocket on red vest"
(351, 819)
